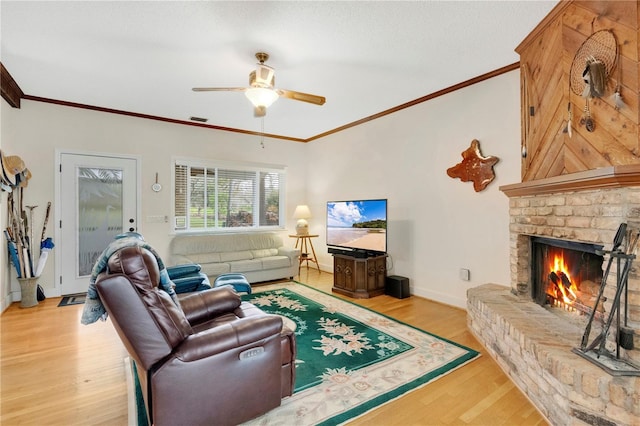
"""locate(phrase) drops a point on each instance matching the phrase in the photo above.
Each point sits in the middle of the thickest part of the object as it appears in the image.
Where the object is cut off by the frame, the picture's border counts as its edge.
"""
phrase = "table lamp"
(302, 213)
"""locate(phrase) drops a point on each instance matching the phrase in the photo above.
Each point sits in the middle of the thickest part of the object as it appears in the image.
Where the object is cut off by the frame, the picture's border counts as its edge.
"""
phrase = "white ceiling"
(364, 57)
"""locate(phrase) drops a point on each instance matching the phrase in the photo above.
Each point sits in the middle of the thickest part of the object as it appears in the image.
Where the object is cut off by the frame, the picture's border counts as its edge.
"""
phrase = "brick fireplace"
(576, 186)
(533, 343)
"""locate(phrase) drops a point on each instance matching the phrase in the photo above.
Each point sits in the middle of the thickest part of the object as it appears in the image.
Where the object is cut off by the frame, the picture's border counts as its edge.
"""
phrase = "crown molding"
(11, 92)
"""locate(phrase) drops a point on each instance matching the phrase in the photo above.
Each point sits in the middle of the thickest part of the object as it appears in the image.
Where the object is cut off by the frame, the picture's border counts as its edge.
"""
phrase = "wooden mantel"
(602, 178)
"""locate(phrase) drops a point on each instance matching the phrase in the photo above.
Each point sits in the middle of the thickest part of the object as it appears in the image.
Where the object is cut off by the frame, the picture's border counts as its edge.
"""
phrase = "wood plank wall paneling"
(546, 57)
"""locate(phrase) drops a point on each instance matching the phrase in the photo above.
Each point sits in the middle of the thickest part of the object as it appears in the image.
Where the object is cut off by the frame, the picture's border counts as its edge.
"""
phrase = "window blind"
(207, 198)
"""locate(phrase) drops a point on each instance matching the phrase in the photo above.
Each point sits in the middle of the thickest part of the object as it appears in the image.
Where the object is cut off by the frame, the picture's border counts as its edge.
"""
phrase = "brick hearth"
(533, 346)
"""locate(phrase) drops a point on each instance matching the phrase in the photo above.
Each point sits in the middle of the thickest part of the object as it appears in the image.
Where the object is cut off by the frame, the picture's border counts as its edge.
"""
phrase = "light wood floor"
(56, 371)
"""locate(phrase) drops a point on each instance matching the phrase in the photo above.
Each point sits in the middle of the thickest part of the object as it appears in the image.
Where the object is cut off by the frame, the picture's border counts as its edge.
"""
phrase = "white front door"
(98, 200)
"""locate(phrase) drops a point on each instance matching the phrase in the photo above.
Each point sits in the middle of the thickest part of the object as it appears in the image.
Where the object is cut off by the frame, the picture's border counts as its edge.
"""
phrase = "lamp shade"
(302, 213)
(261, 97)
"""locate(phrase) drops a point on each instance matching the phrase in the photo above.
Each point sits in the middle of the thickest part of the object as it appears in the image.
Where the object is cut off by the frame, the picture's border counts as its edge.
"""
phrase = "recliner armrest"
(183, 270)
(233, 335)
(205, 305)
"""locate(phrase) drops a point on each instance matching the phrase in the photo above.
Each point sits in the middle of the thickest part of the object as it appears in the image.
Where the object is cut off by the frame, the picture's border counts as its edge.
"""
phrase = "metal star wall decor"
(474, 167)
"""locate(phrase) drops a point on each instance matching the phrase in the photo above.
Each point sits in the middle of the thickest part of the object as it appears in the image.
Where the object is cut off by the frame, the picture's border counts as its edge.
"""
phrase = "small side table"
(305, 242)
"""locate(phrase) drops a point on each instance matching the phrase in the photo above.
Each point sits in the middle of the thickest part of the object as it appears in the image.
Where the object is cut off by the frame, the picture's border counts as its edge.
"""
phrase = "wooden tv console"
(360, 278)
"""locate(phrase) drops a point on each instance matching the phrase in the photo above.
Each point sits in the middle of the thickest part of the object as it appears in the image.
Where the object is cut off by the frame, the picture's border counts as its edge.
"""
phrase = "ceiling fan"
(261, 92)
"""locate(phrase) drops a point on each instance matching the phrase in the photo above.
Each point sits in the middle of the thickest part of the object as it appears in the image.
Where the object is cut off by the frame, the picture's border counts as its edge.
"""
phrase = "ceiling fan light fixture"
(261, 97)
(261, 90)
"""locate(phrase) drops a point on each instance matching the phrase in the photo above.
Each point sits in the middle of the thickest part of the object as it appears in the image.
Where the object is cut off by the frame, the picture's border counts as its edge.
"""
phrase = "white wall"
(437, 224)
(36, 130)
(4, 265)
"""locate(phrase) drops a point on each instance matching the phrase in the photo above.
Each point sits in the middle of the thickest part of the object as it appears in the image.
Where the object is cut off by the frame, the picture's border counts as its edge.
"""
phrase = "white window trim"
(233, 165)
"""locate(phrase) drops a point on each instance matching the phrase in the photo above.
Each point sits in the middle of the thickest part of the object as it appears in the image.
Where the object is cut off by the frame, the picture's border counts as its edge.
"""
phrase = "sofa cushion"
(204, 257)
(273, 262)
(215, 269)
(188, 245)
(260, 241)
(232, 256)
(246, 265)
(264, 252)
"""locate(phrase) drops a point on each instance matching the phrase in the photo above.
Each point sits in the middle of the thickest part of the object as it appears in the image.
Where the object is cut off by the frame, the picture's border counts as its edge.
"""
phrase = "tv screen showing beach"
(357, 224)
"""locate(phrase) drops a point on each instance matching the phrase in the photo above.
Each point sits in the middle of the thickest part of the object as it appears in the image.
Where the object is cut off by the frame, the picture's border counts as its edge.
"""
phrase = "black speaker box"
(397, 286)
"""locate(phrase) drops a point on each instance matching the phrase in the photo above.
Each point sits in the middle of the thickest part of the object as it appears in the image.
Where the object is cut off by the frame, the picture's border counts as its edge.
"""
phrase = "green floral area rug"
(350, 359)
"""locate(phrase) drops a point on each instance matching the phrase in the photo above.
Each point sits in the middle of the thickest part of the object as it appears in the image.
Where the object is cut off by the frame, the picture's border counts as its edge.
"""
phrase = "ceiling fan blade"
(304, 97)
(219, 89)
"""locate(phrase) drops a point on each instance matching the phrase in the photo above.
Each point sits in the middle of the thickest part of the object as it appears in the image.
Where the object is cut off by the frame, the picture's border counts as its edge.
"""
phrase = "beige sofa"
(259, 256)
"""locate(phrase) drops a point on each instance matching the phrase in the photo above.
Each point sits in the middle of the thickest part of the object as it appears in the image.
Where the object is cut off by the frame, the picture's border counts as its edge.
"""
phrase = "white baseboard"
(441, 298)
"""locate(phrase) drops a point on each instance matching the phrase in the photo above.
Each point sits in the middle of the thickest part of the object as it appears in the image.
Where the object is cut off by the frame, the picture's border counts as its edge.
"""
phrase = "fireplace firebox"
(566, 274)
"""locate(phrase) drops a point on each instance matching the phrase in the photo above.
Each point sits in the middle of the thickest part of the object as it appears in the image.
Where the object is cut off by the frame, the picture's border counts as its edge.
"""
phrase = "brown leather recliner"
(212, 360)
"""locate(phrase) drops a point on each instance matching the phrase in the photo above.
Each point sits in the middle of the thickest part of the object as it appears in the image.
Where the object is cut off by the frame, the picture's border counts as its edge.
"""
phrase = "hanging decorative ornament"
(590, 69)
(589, 124)
(583, 118)
(593, 63)
(595, 77)
(568, 128)
(618, 103)
(586, 92)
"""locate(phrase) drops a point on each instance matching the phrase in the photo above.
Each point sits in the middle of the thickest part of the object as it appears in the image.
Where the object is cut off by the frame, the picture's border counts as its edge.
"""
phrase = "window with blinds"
(210, 198)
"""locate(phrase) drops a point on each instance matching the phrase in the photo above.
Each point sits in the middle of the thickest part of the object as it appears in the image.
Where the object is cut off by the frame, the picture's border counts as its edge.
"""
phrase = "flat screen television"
(358, 225)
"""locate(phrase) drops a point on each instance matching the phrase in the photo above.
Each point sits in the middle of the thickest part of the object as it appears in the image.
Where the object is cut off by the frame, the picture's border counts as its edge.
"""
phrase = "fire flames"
(573, 281)
(562, 285)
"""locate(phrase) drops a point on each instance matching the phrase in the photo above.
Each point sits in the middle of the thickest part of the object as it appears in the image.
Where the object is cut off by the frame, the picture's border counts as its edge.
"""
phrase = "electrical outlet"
(465, 274)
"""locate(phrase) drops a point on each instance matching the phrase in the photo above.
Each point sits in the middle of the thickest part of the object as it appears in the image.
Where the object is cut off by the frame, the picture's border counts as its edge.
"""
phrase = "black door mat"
(73, 299)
